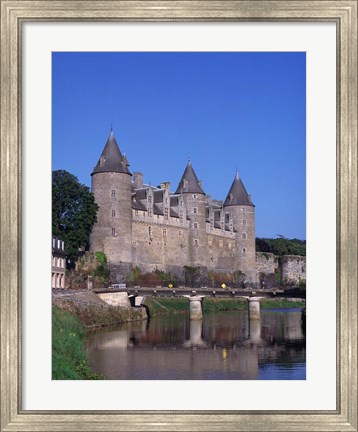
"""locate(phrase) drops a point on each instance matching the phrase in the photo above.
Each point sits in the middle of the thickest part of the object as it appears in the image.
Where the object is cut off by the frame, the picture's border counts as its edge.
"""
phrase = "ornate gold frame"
(13, 14)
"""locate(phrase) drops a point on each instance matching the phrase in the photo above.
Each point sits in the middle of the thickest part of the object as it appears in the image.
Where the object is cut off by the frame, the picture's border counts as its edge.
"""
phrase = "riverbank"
(73, 315)
(69, 357)
(171, 305)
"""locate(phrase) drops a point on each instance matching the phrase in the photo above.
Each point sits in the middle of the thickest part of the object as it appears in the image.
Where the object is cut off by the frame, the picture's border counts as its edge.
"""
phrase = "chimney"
(138, 180)
(165, 185)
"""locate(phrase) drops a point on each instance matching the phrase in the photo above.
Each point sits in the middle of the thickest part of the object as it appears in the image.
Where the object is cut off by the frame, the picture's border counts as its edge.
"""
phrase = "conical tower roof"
(111, 159)
(237, 194)
(189, 183)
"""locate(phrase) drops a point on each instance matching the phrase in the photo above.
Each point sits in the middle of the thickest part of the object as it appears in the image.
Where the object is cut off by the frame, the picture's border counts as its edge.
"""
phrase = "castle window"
(227, 217)
(144, 213)
(229, 245)
(243, 250)
(113, 193)
(195, 210)
(136, 212)
(113, 213)
(181, 216)
(113, 232)
(180, 233)
(157, 216)
(196, 242)
(196, 225)
(150, 212)
(195, 196)
(243, 236)
(166, 213)
(244, 222)
(164, 233)
(150, 199)
(150, 231)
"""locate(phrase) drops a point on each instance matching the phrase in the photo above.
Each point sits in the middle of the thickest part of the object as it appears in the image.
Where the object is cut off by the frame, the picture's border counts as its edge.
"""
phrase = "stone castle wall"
(292, 268)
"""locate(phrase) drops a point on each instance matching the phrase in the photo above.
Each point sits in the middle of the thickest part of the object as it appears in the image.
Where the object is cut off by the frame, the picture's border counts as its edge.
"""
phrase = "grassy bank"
(69, 359)
(282, 303)
(170, 305)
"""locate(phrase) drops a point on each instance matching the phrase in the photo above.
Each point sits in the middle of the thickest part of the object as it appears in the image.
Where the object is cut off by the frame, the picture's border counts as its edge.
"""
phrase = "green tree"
(281, 246)
(74, 213)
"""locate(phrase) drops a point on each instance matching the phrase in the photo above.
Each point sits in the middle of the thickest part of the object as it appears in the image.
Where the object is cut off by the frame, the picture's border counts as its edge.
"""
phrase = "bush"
(217, 279)
(191, 275)
(134, 276)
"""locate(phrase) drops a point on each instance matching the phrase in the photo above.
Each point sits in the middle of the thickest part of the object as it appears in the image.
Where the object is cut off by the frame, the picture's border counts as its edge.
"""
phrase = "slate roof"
(111, 159)
(189, 183)
(158, 195)
(173, 213)
(157, 210)
(174, 200)
(237, 194)
(141, 193)
(138, 205)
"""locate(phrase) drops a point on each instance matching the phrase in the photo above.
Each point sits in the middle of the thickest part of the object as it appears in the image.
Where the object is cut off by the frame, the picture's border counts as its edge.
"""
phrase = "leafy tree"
(74, 213)
(281, 246)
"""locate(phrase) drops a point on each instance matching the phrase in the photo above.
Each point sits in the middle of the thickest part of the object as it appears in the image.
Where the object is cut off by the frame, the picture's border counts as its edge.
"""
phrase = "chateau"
(157, 228)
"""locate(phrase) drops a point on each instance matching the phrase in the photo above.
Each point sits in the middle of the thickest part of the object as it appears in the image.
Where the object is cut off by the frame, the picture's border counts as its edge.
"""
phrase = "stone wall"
(290, 269)
(266, 263)
(293, 269)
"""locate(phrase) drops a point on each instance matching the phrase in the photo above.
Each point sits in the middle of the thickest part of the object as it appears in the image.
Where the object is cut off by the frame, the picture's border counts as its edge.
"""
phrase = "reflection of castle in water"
(222, 346)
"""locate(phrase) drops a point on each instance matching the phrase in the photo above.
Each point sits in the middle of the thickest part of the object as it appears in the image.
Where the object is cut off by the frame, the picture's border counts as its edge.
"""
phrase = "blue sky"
(226, 111)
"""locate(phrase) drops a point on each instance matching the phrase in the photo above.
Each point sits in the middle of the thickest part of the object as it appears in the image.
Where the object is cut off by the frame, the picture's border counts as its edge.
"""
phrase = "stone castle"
(156, 228)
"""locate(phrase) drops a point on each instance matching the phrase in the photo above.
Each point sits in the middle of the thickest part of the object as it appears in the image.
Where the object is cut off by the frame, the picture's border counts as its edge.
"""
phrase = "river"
(223, 346)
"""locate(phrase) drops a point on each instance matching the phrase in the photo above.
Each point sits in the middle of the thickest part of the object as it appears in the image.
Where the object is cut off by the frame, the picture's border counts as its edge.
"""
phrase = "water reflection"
(221, 346)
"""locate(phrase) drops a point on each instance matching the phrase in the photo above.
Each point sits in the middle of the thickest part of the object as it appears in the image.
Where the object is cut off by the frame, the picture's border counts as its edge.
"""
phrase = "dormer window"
(113, 193)
(102, 160)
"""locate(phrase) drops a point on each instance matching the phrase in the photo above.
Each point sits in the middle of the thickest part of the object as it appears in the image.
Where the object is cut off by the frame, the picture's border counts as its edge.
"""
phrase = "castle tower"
(239, 206)
(111, 186)
(194, 200)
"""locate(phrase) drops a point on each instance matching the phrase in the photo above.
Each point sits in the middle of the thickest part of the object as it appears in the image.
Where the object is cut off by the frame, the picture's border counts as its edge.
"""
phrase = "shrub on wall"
(134, 276)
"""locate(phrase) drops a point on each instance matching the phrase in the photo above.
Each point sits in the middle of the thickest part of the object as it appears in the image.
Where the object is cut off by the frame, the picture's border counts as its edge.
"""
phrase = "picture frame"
(13, 15)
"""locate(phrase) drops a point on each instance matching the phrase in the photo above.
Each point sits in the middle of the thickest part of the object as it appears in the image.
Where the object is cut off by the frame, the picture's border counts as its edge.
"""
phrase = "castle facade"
(156, 228)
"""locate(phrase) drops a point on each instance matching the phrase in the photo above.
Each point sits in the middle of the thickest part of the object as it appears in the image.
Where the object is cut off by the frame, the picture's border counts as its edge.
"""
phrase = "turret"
(194, 200)
(111, 186)
(241, 210)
